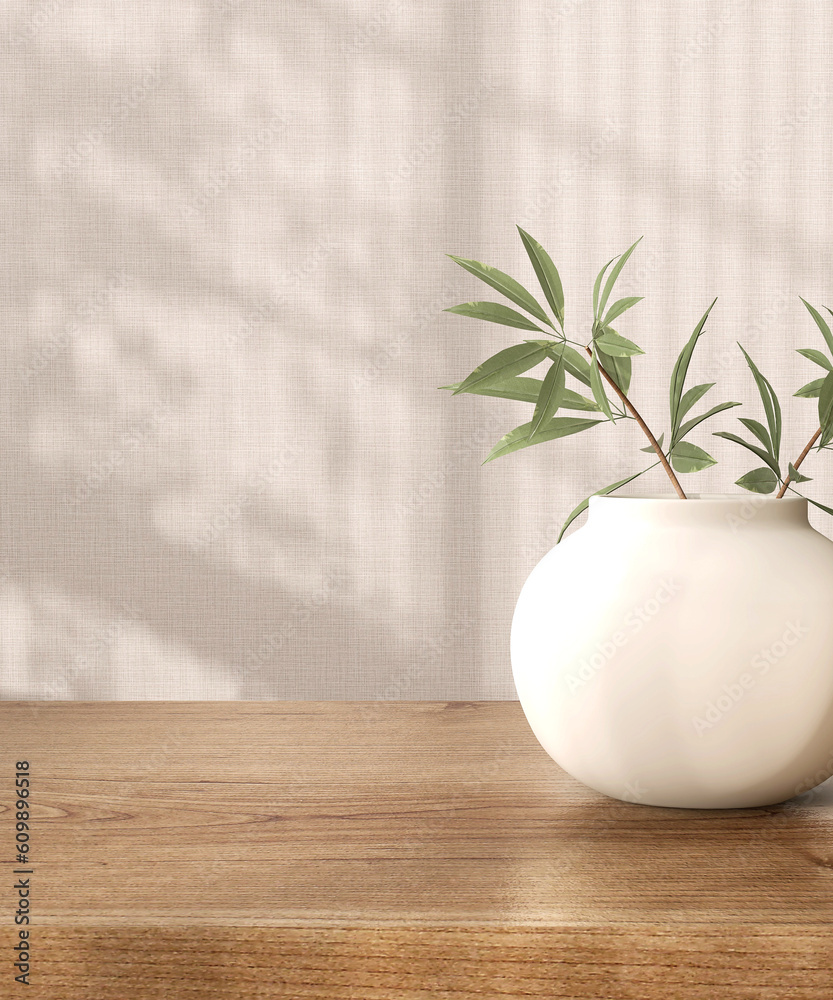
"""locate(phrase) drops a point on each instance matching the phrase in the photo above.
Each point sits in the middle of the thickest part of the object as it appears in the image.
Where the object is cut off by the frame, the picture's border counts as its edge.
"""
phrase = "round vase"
(680, 652)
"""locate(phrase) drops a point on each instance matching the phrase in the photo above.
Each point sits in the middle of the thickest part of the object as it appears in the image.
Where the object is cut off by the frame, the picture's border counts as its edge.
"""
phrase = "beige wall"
(227, 471)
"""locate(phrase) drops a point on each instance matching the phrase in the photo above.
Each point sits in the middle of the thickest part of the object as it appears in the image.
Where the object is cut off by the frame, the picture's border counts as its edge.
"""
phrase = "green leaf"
(813, 355)
(547, 274)
(826, 411)
(524, 389)
(550, 397)
(614, 345)
(650, 448)
(691, 397)
(687, 457)
(512, 289)
(796, 477)
(811, 390)
(598, 388)
(759, 431)
(511, 361)
(815, 503)
(573, 401)
(763, 455)
(576, 511)
(614, 274)
(494, 312)
(689, 425)
(576, 365)
(519, 438)
(678, 376)
(771, 406)
(821, 323)
(619, 307)
(619, 369)
(759, 481)
(597, 285)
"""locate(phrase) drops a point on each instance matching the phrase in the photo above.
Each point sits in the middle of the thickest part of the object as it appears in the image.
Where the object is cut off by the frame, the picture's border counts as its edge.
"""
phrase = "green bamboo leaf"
(772, 408)
(763, 455)
(576, 365)
(558, 427)
(796, 476)
(687, 457)
(615, 345)
(816, 356)
(597, 285)
(524, 389)
(821, 323)
(614, 274)
(689, 426)
(494, 312)
(598, 388)
(826, 411)
(547, 274)
(511, 361)
(678, 376)
(576, 511)
(758, 481)
(574, 401)
(550, 397)
(760, 432)
(811, 390)
(650, 448)
(619, 307)
(619, 369)
(691, 397)
(512, 289)
(815, 503)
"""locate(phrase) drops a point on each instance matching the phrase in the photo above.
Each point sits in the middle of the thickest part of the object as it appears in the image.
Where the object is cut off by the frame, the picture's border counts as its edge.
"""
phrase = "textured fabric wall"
(227, 472)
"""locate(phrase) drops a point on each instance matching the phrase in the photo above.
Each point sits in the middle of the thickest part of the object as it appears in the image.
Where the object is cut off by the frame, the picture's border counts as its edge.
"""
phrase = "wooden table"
(386, 851)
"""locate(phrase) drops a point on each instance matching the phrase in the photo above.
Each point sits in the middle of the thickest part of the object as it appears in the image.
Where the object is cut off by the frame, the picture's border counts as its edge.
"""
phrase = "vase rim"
(742, 498)
(703, 509)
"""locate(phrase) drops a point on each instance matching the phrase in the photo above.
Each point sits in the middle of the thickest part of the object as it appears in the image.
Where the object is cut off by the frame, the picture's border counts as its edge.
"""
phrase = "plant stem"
(646, 430)
(798, 462)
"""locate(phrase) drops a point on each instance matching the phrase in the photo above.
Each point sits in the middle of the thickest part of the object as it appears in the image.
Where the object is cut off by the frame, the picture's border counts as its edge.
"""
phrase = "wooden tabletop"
(385, 851)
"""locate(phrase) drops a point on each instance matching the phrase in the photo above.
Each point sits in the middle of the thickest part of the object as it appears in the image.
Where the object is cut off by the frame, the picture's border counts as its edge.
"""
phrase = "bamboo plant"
(769, 477)
(603, 364)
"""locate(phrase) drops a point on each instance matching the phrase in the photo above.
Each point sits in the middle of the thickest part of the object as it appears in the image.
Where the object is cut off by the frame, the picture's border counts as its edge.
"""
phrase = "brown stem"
(798, 462)
(647, 431)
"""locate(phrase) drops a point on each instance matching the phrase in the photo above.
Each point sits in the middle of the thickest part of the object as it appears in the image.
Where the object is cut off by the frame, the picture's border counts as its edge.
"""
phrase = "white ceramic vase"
(680, 652)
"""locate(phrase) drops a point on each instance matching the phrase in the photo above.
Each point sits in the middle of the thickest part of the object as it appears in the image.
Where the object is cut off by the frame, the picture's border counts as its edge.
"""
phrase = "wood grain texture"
(387, 850)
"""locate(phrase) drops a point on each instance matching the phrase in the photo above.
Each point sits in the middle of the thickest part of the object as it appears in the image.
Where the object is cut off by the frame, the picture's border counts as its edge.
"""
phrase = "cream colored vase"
(680, 652)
